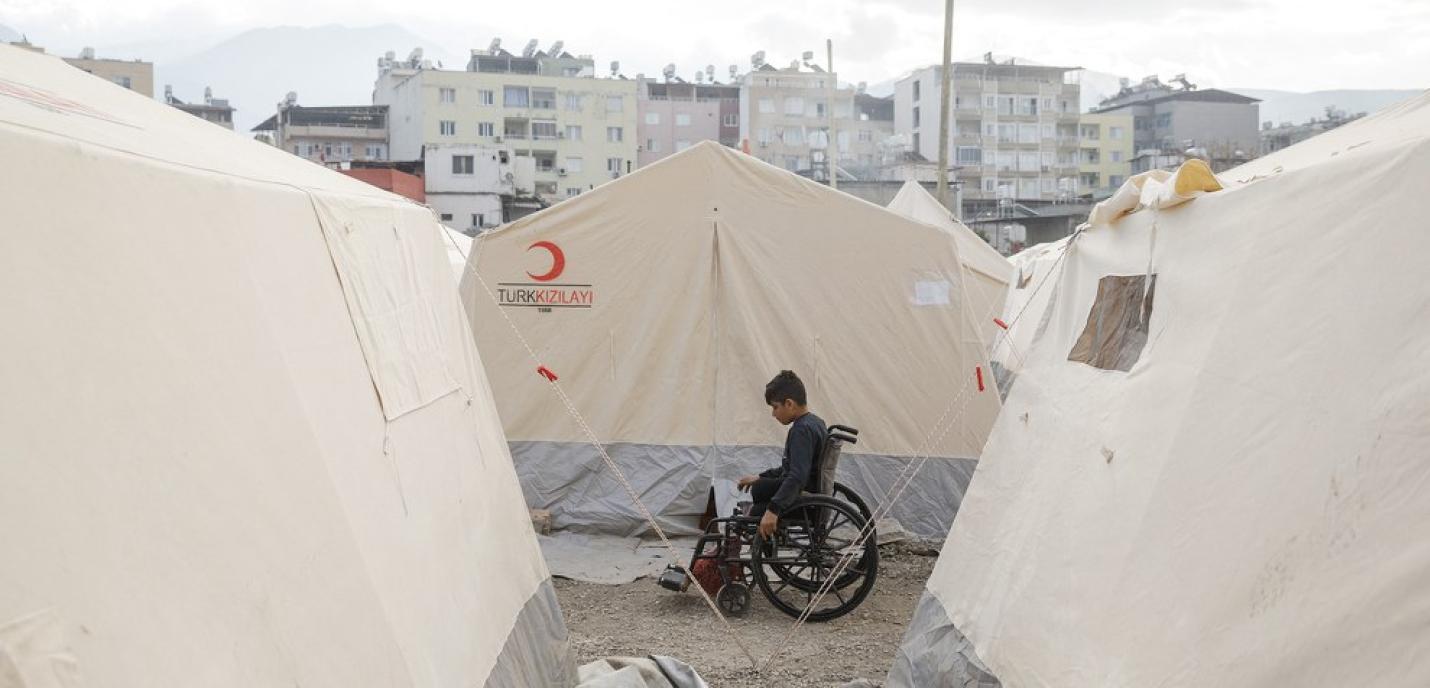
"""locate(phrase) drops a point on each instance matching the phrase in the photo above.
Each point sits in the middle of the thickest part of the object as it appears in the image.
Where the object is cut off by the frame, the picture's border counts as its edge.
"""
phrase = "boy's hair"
(786, 385)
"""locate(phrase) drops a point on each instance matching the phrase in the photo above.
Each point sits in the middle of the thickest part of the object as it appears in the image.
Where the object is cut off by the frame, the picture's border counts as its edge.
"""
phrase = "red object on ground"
(999, 322)
(979, 371)
(396, 181)
(546, 373)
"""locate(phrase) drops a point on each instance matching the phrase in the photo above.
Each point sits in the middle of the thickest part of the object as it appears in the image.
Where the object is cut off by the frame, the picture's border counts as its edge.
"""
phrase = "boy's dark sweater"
(803, 443)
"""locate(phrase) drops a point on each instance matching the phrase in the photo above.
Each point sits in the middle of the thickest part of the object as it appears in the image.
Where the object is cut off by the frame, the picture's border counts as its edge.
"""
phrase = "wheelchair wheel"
(734, 598)
(842, 491)
(804, 553)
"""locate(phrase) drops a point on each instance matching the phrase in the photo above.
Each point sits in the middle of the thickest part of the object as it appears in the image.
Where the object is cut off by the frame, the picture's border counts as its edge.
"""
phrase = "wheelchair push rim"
(803, 555)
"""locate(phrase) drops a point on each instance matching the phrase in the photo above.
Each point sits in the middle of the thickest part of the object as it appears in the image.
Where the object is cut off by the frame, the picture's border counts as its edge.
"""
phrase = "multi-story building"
(1173, 121)
(329, 134)
(579, 130)
(675, 114)
(865, 152)
(135, 75)
(1276, 137)
(1105, 153)
(473, 187)
(1013, 135)
(216, 110)
(784, 117)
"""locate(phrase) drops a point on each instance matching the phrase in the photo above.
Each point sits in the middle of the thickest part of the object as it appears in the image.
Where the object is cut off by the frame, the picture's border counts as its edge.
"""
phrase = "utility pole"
(946, 79)
(832, 153)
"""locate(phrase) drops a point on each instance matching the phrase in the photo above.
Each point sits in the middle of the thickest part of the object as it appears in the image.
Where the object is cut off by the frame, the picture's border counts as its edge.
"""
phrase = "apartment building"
(331, 135)
(216, 110)
(135, 75)
(579, 130)
(784, 117)
(473, 187)
(1105, 151)
(1013, 133)
(673, 115)
(1172, 121)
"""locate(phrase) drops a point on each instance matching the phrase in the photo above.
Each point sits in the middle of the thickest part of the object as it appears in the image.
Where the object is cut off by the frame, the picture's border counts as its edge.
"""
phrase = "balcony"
(335, 131)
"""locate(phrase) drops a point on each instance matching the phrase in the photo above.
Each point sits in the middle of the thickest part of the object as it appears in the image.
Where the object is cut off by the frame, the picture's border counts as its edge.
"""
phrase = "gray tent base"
(570, 480)
(537, 653)
(935, 653)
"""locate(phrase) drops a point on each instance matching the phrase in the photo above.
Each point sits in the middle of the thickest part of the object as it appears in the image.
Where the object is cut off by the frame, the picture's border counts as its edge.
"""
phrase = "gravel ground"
(640, 618)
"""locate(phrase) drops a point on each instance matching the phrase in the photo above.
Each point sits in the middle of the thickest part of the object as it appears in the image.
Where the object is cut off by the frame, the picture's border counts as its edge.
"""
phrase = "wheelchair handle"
(844, 428)
(843, 438)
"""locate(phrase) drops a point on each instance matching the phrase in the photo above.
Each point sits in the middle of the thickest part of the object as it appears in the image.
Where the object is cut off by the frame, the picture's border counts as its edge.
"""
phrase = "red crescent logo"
(558, 261)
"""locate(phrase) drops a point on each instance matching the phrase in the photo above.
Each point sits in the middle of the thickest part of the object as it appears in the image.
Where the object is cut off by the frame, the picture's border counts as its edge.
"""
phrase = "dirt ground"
(640, 618)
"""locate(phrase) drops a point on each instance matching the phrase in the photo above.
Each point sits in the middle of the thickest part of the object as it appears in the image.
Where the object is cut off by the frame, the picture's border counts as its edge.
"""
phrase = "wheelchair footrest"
(673, 578)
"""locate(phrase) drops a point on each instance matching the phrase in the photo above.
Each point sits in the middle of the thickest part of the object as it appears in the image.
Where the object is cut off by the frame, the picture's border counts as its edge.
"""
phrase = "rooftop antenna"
(415, 57)
(530, 48)
(495, 47)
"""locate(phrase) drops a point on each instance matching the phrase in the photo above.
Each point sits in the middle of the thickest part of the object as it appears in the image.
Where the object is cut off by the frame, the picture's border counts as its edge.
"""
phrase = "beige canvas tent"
(664, 301)
(1212, 469)
(245, 436)
(1031, 290)
(988, 272)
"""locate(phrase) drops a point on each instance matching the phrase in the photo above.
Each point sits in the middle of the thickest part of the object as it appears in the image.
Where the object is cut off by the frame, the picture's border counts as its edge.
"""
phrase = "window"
(486, 129)
(295, 149)
(730, 120)
(446, 217)
(767, 105)
(479, 220)
(1115, 180)
(652, 146)
(916, 90)
(613, 165)
(1047, 184)
(543, 98)
(990, 184)
(866, 135)
(1028, 161)
(543, 129)
(487, 97)
(794, 136)
(1027, 133)
(1114, 133)
(1047, 105)
(1116, 156)
(990, 102)
(1116, 328)
(447, 127)
(1048, 131)
(573, 102)
(1007, 160)
(447, 95)
(573, 132)
(819, 110)
(991, 130)
(124, 81)
(1047, 159)
(615, 104)
(792, 163)
(681, 145)
(1027, 188)
(516, 97)
(794, 106)
(762, 137)
(652, 118)
(969, 155)
(462, 164)
(573, 191)
(1090, 156)
(916, 142)
(615, 135)
(574, 165)
(916, 115)
(682, 119)
(1008, 132)
(545, 163)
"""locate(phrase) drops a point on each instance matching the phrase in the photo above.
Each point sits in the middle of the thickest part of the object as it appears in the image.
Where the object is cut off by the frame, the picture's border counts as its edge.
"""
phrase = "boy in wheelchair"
(775, 489)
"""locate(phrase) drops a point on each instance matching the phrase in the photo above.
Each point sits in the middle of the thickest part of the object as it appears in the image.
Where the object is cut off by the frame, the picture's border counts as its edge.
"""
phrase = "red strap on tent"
(979, 371)
(546, 373)
(999, 322)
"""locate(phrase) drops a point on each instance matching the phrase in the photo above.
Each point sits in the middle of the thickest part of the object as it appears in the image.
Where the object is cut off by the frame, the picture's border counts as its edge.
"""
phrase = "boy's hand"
(747, 481)
(767, 524)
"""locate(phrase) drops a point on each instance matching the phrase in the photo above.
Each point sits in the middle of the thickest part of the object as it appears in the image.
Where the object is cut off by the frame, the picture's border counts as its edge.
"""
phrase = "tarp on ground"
(246, 438)
(1217, 476)
(988, 271)
(665, 300)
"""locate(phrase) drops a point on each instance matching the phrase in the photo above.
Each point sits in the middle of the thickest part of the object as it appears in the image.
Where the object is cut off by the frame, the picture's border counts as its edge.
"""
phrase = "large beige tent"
(1212, 469)
(664, 301)
(1027, 302)
(987, 270)
(245, 436)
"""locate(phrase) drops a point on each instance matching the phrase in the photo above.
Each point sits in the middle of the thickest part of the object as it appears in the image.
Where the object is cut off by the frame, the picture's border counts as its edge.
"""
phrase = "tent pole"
(945, 79)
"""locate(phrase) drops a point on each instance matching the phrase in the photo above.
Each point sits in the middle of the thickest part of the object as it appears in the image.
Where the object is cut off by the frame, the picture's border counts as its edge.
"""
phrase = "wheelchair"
(791, 566)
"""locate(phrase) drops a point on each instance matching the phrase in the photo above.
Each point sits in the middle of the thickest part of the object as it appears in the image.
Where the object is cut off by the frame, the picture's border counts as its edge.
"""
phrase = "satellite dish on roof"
(556, 48)
(757, 60)
(668, 71)
(530, 48)
(615, 67)
(495, 46)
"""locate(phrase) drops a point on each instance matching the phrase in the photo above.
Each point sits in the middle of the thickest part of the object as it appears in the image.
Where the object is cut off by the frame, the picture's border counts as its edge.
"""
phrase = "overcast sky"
(1283, 44)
